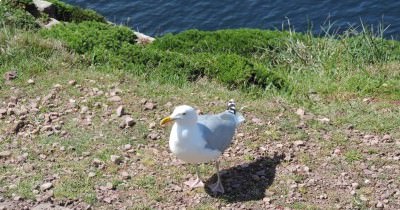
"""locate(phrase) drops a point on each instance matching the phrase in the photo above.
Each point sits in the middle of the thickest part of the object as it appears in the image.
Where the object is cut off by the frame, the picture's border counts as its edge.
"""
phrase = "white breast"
(188, 145)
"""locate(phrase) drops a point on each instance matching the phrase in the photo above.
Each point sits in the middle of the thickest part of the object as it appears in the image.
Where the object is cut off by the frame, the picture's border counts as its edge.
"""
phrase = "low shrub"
(69, 13)
(13, 14)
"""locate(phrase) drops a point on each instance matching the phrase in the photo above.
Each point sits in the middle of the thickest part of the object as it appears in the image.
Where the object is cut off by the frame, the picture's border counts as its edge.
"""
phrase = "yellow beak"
(166, 120)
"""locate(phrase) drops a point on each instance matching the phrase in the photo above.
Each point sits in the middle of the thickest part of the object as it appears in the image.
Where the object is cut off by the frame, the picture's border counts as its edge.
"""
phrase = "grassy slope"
(326, 78)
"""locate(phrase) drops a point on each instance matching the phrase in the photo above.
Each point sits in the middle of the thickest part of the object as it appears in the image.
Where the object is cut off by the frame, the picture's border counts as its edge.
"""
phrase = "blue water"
(157, 17)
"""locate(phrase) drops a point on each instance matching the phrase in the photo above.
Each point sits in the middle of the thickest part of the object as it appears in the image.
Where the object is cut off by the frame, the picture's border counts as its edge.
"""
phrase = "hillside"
(321, 131)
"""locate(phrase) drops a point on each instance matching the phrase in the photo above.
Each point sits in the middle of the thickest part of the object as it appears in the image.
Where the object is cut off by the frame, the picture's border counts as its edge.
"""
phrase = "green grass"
(270, 73)
(353, 155)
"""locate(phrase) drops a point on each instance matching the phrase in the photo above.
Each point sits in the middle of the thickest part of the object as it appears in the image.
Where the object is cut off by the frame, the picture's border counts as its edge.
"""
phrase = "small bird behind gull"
(202, 138)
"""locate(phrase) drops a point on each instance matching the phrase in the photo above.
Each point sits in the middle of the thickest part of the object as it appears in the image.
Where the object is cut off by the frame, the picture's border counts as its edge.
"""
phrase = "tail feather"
(231, 106)
(232, 109)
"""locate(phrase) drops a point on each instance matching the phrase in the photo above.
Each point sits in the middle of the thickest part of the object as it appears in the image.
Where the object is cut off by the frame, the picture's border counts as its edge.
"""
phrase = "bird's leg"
(197, 182)
(217, 187)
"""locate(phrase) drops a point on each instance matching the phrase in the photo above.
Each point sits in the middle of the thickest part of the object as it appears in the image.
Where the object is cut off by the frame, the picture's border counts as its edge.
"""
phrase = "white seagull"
(202, 138)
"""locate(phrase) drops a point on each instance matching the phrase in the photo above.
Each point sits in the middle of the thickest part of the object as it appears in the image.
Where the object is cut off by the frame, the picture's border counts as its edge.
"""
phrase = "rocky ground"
(86, 140)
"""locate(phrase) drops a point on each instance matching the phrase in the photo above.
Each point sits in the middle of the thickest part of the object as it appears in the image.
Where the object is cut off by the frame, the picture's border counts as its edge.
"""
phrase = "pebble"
(91, 174)
(120, 111)
(5, 154)
(129, 121)
(97, 162)
(355, 185)
(3, 111)
(379, 204)
(386, 137)
(84, 109)
(125, 175)
(31, 81)
(116, 159)
(152, 125)
(300, 112)
(57, 86)
(114, 99)
(46, 186)
(72, 82)
(299, 143)
(149, 106)
(363, 198)
(127, 147)
(153, 136)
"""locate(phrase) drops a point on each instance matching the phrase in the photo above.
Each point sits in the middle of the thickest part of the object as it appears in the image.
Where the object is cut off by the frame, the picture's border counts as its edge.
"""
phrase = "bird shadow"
(247, 181)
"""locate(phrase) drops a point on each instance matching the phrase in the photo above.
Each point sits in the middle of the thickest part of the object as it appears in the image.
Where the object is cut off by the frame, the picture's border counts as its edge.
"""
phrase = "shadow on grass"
(246, 182)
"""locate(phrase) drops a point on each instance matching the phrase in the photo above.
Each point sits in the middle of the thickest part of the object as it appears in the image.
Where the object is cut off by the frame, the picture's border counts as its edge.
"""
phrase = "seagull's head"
(182, 114)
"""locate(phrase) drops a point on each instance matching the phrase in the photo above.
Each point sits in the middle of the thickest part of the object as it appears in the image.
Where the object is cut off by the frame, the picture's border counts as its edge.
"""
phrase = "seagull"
(202, 138)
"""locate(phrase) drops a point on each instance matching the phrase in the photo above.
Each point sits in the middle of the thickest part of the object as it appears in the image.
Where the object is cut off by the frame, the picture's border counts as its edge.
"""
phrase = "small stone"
(120, 111)
(323, 196)
(91, 174)
(149, 106)
(367, 100)
(127, 147)
(31, 81)
(299, 143)
(125, 175)
(363, 198)
(368, 136)
(10, 75)
(379, 204)
(324, 120)
(46, 186)
(57, 86)
(355, 185)
(5, 154)
(129, 121)
(122, 124)
(367, 181)
(300, 112)
(97, 162)
(152, 125)
(153, 136)
(116, 159)
(3, 111)
(84, 109)
(17, 198)
(72, 82)
(267, 200)
(114, 99)
(386, 137)
(337, 151)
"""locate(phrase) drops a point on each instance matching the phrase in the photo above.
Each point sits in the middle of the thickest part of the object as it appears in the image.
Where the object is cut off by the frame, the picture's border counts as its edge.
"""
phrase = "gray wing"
(217, 130)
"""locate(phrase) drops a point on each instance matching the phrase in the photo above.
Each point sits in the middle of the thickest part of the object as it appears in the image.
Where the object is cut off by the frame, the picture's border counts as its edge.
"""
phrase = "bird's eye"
(184, 113)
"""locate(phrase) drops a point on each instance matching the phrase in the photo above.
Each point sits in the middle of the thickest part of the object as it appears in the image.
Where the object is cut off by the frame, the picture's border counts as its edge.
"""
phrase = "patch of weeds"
(249, 157)
(105, 153)
(146, 182)
(352, 155)
(358, 203)
(75, 186)
(306, 159)
(372, 151)
(25, 186)
(302, 206)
